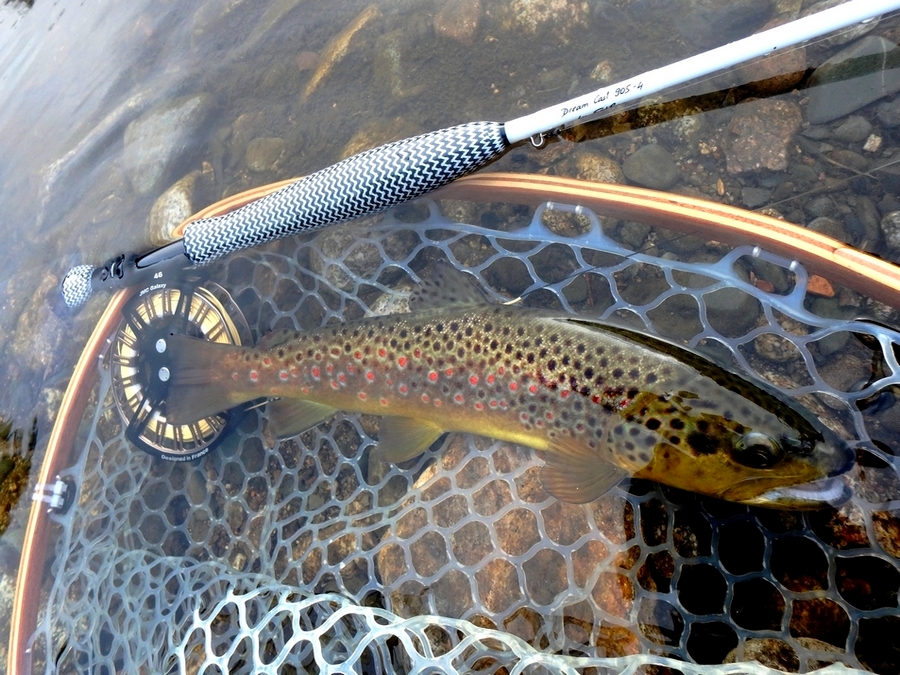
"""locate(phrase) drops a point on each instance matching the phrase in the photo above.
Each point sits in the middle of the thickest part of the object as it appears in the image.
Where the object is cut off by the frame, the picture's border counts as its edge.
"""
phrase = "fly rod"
(383, 177)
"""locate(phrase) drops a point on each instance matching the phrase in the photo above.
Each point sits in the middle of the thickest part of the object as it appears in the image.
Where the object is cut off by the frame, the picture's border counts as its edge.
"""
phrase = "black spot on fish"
(629, 446)
(634, 431)
(644, 457)
(520, 331)
(580, 348)
(551, 364)
(584, 391)
(676, 423)
(652, 424)
(634, 373)
(508, 349)
(701, 443)
(632, 393)
(650, 378)
(565, 360)
(543, 353)
(530, 357)
(617, 373)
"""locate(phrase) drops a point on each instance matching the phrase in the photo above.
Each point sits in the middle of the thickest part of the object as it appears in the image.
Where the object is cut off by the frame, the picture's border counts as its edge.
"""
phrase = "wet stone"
(565, 523)
(545, 576)
(614, 594)
(660, 622)
(651, 166)
(586, 559)
(854, 129)
(862, 73)
(264, 154)
(820, 618)
(498, 585)
(614, 641)
(770, 652)
(172, 208)
(560, 17)
(843, 528)
(160, 138)
(452, 594)
(867, 582)
(517, 532)
(761, 132)
(459, 20)
(429, 554)
(890, 228)
(597, 167)
(471, 543)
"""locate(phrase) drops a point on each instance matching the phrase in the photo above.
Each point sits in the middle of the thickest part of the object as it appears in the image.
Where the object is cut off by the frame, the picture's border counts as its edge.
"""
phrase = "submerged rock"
(653, 167)
(459, 20)
(760, 134)
(156, 141)
(172, 208)
(864, 72)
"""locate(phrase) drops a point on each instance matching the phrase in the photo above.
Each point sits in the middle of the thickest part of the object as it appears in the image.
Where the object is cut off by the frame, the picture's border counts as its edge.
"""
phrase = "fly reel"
(139, 376)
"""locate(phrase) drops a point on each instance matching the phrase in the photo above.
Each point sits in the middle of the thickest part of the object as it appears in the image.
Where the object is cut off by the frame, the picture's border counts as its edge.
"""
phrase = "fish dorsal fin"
(289, 417)
(402, 438)
(446, 287)
(275, 338)
(574, 474)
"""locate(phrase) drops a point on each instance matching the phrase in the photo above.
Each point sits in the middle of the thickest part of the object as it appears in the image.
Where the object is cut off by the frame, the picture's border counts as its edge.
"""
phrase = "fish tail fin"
(197, 387)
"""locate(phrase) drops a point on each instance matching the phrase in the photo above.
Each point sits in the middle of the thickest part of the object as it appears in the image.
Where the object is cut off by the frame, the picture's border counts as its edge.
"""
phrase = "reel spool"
(140, 378)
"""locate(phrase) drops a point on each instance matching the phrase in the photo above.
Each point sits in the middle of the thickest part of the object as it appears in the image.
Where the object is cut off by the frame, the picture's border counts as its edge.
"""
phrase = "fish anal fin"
(446, 287)
(402, 438)
(289, 417)
(576, 474)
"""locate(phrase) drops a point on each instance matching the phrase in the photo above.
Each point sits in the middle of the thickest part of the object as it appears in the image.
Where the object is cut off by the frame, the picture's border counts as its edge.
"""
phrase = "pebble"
(459, 20)
(598, 167)
(754, 197)
(888, 113)
(171, 209)
(829, 227)
(890, 228)
(651, 166)
(853, 129)
(761, 133)
(846, 82)
(160, 138)
(560, 17)
(709, 23)
(340, 46)
(263, 154)
(820, 207)
(391, 72)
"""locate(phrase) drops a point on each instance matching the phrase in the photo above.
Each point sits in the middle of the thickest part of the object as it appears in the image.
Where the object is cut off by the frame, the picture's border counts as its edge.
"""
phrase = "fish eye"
(757, 451)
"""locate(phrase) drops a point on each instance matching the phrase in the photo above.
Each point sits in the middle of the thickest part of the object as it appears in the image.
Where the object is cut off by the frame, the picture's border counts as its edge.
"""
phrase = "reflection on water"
(114, 117)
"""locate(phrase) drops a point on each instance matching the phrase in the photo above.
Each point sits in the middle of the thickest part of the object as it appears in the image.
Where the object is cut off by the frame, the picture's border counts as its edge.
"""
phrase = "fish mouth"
(817, 494)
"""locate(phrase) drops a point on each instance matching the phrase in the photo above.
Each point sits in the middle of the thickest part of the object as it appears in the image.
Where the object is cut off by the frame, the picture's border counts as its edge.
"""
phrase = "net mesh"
(309, 555)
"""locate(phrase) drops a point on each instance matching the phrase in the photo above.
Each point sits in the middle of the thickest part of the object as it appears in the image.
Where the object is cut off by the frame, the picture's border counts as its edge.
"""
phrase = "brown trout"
(601, 402)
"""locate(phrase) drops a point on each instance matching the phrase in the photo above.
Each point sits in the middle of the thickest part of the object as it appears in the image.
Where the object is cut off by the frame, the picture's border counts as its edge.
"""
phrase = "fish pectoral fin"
(576, 475)
(402, 438)
(289, 417)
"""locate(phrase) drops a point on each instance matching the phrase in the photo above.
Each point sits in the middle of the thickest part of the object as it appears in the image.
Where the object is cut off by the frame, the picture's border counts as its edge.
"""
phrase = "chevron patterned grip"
(371, 181)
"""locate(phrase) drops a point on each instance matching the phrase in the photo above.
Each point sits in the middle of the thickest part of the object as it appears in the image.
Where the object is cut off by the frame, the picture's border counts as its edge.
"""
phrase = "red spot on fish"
(437, 402)
(524, 417)
(424, 398)
(402, 389)
(493, 403)
(370, 376)
(433, 376)
(501, 370)
(318, 356)
(401, 362)
(549, 415)
(479, 405)
(390, 382)
(539, 423)
(335, 351)
(565, 393)
(295, 372)
(267, 361)
(362, 396)
(334, 385)
(449, 372)
(490, 379)
(283, 375)
(384, 401)
(382, 352)
(533, 389)
(458, 398)
(473, 380)
(315, 372)
(623, 403)
(513, 386)
(357, 355)
(305, 390)
(595, 398)
(329, 369)
(254, 375)
(351, 368)
(342, 377)
(234, 376)
(417, 352)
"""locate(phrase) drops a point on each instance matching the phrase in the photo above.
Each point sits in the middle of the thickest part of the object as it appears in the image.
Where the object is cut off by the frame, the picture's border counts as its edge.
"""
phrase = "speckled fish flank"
(601, 402)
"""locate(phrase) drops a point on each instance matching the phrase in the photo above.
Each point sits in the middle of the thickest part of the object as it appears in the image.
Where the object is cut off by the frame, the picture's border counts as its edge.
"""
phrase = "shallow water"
(74, 76)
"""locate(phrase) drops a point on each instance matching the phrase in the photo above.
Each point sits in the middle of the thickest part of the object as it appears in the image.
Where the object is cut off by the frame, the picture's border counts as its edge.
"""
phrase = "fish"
(600, 402)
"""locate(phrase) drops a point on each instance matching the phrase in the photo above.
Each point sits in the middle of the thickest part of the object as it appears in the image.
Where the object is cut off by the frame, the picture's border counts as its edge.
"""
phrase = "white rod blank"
(607, 99)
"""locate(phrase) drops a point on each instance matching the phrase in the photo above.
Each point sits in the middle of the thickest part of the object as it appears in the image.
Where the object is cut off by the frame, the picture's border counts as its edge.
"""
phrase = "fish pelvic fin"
(446, 287)
(402, 438)
(577, 475)
(289, 417)
(196, 388)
